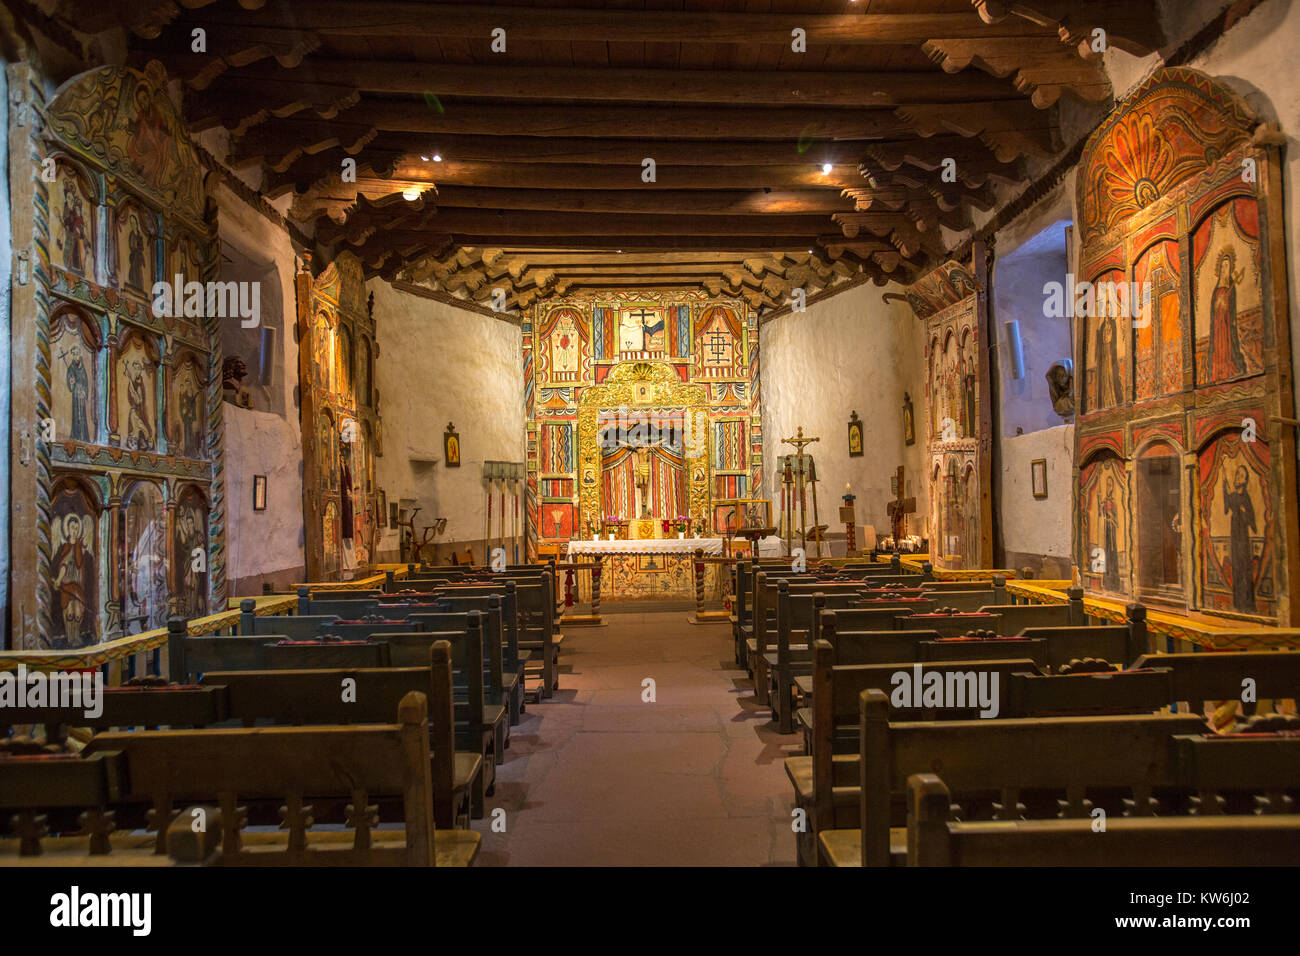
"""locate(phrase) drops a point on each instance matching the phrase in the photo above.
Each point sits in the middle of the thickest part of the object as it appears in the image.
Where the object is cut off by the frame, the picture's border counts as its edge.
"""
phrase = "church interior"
(650, 433)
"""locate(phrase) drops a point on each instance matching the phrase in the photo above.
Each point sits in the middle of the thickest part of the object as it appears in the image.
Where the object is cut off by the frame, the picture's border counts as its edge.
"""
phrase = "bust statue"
(233, 371)
(1060, 384)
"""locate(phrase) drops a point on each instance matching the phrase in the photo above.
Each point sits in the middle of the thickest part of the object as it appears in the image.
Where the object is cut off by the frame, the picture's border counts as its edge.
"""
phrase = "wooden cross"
(899, 508)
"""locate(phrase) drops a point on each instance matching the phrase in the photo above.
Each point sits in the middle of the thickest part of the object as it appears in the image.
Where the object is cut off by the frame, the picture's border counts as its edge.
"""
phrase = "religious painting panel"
(136, 231)
(365, 372)
(564, 350)
(641, 331)
(1226, 293)
(1106, 322)
(720, 343)
(190, 553)
(73, 218)
(1158, 325)
(135, 383)
(144, 559)
(75, 579)
(1159, 519)
(186, 411)
(184, 261)
(344, 364)
(1103, 489)
(1237, 533)
(327, 454)
(555, 456)
(322, 343)
(557, 520)
(330, 538)
(74, 392)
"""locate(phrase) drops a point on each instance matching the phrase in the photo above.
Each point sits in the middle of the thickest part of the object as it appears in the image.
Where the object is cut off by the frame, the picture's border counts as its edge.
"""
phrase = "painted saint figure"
(139, 433)
(1110, 538)
(74, 241)
(189, 539)
(1226, 360)
(135, 269)
(1109, 384)
(74, 582)
(189, 420)
(79, 387)
(1237, 504)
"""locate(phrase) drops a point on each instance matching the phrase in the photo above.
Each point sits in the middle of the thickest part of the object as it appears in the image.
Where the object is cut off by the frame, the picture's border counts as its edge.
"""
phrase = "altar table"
(650, 568)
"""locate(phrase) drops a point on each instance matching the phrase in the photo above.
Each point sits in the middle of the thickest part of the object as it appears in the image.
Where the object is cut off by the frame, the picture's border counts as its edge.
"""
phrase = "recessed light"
(411, 193)
(437, 157)
(826, 167)
(425, 158)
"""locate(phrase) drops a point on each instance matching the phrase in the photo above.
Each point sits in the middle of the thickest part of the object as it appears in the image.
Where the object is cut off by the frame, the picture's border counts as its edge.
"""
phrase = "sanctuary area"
(853, 433)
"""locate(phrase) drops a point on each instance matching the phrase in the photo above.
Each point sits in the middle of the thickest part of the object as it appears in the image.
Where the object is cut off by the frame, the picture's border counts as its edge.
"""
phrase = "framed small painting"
(1038, 477)
(451, 446)
(909, 423)
(855, 436)
(259, 492)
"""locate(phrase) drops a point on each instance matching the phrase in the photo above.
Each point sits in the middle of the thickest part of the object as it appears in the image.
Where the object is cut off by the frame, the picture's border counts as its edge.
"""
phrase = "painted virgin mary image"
(1241, 511)
(1226, 360)
(1110, 537)
(1109, 384)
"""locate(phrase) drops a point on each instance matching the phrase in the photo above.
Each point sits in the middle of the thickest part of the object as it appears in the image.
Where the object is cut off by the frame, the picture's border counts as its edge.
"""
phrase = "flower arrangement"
(680, 523)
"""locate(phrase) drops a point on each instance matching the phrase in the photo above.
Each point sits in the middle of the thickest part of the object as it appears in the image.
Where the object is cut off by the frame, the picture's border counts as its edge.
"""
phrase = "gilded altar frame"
(643, 386)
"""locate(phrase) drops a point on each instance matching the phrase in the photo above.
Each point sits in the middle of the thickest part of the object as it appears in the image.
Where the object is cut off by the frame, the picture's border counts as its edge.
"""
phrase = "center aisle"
(595, 776)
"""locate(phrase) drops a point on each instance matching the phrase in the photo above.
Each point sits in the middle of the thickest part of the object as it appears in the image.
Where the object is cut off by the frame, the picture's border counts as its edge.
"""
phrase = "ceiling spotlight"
(826, 168)
(411, 193)
(425, 158)
(437, 157)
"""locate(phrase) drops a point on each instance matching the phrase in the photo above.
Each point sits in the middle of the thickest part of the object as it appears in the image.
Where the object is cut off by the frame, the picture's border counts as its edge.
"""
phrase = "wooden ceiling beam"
(687, 202)
(1131, 25)
(803, 127)
(280, 149)
(479, 222)
(321, 183)
(558, 24)
(585, 84)
(1042, 68)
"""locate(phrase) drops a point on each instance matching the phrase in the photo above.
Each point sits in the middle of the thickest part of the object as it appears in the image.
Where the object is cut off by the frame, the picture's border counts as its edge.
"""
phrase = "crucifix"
(804, 475)
(643, 480)
(898, 510)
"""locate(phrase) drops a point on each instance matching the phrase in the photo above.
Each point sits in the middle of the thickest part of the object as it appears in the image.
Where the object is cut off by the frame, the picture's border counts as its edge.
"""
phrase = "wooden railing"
(146, 652)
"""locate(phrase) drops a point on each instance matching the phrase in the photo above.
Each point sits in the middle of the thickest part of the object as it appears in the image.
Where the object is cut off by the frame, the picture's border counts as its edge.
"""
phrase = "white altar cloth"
(684, 546)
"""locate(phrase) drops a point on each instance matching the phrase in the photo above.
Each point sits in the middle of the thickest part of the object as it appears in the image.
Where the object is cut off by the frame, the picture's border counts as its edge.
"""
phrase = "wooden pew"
(208, 652)
(1210, 677)
(501, 640)
(535, 609)
(476, 719)
(220, 768)
(167, 705)
(496, 700)
(299, 627)
(934, 839)
(1111, 692)
(950, 625)
(831, 727)
(1248, 772)
(1004, 758)
(47, 793)
(316, 697)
